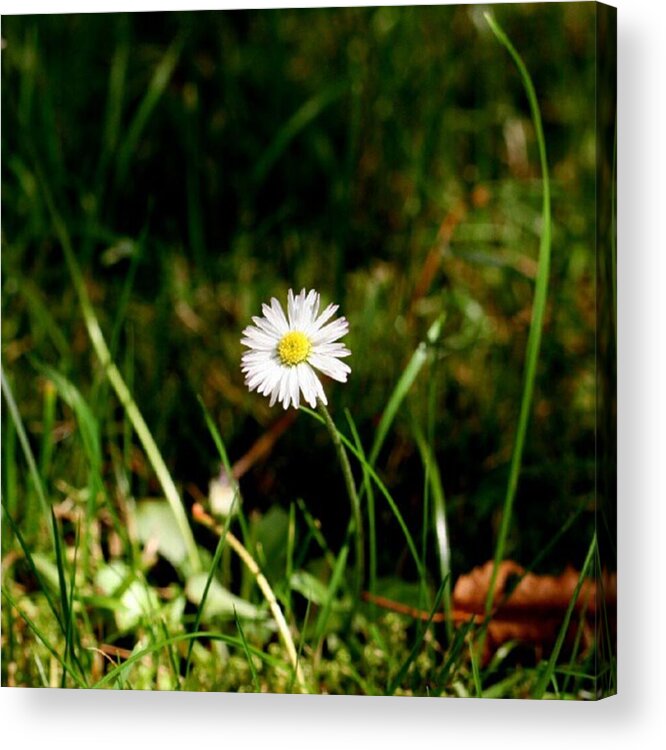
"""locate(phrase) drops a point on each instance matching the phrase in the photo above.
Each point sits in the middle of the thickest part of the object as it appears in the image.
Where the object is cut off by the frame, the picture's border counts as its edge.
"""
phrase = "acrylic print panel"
(308, 345)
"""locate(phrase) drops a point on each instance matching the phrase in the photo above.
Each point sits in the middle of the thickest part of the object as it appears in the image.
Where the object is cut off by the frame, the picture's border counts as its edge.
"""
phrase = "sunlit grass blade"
(403, 386)
(441, 526)
(48, 420)
(538, 310)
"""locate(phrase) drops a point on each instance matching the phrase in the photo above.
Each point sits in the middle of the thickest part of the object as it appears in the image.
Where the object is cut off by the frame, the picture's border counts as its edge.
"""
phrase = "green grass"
(161, 180)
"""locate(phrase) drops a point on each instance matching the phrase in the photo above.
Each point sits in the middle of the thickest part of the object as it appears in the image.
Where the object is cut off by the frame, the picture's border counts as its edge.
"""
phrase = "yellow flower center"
(294, 348)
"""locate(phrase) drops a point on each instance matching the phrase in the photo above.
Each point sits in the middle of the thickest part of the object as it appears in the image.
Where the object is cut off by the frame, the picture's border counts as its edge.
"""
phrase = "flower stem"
(353, 498)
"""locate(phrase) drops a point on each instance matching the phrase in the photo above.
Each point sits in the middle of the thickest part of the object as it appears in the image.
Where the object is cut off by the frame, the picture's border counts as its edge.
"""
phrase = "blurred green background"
(204, 162)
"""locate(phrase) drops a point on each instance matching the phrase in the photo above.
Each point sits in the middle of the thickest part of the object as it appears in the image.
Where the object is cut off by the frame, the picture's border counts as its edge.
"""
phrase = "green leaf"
(156, 522)
(136, 600)
(220, 602)
(309, 586)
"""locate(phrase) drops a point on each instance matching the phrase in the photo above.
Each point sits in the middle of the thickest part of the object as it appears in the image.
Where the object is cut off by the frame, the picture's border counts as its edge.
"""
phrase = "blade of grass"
(33, 569)
(315, 532)
(156, 89)
(48, 420)
(395, 682)
(548, 672)
(383, 490)
(69, 641)
(403, 386)
(452, 658)
(25, 444)
(367, 486)
(301, 642)
(211, 574)
(441, 528)
(476, 676)
(333, 586)
(353, 500)
(10, 460)
(601, 602)
(289, 564)
(44, 640)
(294, 125)
(173, 663)
(248, 655)
(538, 312)
(62, 582)
(181, 637)
(115, 378)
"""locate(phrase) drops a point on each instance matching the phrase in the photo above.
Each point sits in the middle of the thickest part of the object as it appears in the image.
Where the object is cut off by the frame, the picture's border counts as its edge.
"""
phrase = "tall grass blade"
(211, 574)
(538, 311)
(44, 640)
(395, 682)
(44, 587)
(441, 527)
(248, 655)
(372, 521)
(403, 386)
(156, 89)
(115, 378)
(548, 673)
(296, 123)
(382, 489)
(25, 444)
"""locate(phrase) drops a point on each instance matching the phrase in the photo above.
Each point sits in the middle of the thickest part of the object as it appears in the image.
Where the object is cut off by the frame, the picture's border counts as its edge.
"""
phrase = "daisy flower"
(284, 351)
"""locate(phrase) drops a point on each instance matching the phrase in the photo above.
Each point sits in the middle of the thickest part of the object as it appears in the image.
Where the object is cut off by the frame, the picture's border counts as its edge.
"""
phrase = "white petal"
(275, 315)
(293, 386)
(334, 350)
(266, 326)
(330, 366)
(331, 332)
(319, 322)
(291, 309)
(319, 387)
(283, 387)
(306, 381)
(255, 339)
